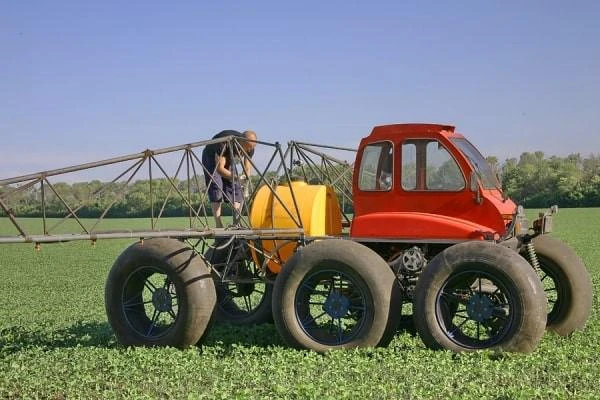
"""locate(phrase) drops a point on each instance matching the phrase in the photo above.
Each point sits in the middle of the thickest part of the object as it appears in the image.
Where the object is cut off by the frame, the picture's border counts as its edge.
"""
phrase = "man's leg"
(237, 201)
(215, 196)
(216, 210)
(237, 216)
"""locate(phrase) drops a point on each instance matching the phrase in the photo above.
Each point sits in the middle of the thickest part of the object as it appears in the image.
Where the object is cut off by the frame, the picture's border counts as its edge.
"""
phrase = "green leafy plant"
(55, 343)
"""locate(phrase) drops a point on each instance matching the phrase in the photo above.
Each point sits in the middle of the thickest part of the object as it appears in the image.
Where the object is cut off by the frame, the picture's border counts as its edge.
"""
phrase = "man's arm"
(221, 170)
(247, 167)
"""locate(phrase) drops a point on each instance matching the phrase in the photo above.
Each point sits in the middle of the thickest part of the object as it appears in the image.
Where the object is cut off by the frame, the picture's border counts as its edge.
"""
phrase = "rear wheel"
(336, 294)
(566, 282)
(242, 297)
(159, 294)
(479, 295)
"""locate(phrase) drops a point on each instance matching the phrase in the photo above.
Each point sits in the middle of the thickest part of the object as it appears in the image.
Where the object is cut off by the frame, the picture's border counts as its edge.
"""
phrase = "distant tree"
(532, 180)
(493, 161)
(536, 181)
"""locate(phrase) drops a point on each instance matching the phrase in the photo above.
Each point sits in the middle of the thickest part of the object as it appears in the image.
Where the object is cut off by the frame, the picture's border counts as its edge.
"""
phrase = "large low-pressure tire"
(159, 293)
(336, 294)
(567, 284)
(479, 295)
(242, 299)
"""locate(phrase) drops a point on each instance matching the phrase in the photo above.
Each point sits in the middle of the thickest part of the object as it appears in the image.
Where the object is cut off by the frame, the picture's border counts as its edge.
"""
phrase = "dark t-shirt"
(217, 149)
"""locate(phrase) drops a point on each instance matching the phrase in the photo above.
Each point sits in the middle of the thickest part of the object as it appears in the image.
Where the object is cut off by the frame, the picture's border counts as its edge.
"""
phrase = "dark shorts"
(220, 189)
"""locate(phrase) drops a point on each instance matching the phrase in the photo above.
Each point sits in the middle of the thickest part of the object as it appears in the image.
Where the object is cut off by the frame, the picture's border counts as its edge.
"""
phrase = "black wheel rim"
(238, 303)
(475, 309)
(332, 307)
(242, 294)
(556, 288)
(150, 302)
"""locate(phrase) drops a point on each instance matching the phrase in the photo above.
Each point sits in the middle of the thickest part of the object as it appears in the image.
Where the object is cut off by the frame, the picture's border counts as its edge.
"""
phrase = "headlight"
(522, 223)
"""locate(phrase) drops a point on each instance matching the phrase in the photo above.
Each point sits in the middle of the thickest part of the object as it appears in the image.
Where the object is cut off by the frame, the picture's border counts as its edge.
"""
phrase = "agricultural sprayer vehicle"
(334, 252)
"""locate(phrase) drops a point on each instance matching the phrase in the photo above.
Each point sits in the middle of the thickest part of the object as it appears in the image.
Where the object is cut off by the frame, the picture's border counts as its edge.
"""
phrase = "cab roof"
(413, 129)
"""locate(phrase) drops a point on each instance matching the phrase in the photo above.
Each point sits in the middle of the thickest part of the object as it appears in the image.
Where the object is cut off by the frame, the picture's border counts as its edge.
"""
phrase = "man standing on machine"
(220, 176)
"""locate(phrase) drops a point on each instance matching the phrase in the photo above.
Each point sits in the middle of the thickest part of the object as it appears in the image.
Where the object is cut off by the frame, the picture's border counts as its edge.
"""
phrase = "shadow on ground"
(99, 334)
(227, 335)
(266, 335)
(81, 334)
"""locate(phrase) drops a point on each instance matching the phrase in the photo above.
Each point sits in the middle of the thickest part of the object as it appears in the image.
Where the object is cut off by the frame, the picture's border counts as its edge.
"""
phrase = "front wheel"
(479, 295)
(567, 284)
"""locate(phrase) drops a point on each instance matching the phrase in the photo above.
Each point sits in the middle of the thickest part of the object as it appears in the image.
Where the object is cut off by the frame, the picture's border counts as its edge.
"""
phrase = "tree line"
(536, 181)
(533, 180)
(92, 199)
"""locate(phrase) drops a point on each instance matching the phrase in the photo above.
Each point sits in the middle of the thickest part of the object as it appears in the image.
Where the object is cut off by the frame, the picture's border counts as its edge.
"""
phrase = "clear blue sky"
(89, 80)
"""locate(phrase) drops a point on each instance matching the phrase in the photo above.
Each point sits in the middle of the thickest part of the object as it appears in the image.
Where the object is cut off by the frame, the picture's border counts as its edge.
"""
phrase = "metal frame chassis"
(305, 157)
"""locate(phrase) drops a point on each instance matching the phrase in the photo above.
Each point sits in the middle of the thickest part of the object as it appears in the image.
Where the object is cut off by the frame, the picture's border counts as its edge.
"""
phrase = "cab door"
(431, 180)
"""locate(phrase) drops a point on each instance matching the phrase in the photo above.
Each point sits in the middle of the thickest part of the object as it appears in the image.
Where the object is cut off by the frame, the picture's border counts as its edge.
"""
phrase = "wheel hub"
(244, 289)
(161, 300)
(243, 273)
(336, 305)
(480, 307)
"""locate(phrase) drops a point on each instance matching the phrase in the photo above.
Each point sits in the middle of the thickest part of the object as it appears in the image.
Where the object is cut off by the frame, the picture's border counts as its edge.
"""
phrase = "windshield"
(486, 175)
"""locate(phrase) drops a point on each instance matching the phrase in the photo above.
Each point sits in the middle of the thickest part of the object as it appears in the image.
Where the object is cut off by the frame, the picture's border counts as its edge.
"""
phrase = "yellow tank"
(319, 212)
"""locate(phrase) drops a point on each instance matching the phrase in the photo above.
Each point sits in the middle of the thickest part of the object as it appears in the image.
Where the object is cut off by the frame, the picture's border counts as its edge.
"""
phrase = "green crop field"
(55, 343)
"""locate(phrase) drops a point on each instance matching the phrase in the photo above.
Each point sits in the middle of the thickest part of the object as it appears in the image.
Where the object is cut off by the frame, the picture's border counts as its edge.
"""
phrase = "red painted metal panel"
(412, 225)
(458, 214)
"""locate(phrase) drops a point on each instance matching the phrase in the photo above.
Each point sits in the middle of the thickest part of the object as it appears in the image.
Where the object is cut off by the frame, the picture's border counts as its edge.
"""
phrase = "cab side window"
(409, 166)
(376, 167)
(427, 165)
